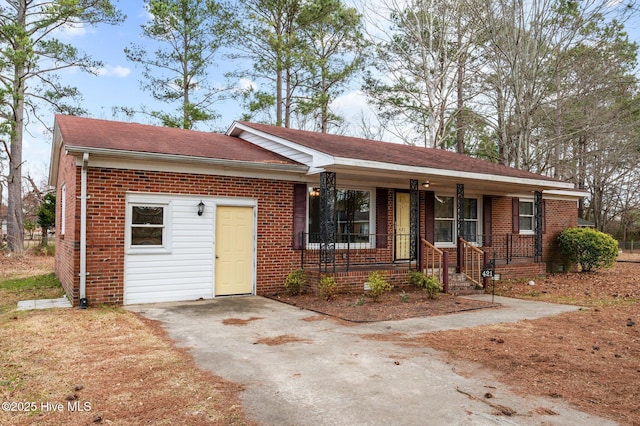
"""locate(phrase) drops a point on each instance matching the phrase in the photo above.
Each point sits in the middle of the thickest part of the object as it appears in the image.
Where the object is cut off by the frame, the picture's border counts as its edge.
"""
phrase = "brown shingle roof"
(113, 135)
(386, 152)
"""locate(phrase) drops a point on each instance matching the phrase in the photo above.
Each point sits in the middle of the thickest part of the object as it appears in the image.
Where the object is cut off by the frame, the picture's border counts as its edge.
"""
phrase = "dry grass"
(24, 265)
(116, 367)
(130, 373)
(589, 358)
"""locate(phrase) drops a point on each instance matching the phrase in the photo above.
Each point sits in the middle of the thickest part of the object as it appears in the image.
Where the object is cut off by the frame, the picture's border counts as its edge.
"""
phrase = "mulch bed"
(398, 304)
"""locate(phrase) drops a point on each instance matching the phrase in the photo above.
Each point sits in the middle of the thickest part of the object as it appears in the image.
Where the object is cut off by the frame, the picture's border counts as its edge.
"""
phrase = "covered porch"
(410, 233)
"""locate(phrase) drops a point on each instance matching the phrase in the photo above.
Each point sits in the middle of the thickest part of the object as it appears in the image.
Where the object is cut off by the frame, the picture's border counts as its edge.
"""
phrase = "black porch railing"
(356, 250)
(507, 248)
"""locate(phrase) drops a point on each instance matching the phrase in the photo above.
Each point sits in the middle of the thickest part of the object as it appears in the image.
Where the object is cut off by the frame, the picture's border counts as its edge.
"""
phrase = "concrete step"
(460, 285)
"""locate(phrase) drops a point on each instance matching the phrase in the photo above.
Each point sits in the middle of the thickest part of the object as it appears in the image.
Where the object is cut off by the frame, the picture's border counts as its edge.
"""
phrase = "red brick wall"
(353, 282)
(68, 245)
(559, 215)
(107, 189)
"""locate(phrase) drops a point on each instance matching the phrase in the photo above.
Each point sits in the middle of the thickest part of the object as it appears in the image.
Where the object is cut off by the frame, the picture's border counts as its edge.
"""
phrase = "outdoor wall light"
(426, 184)
(200, 208)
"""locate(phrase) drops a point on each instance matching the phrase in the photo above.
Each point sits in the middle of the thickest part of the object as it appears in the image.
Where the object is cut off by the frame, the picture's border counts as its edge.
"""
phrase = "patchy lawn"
(589, 358)
(128, 372)
(102, 365)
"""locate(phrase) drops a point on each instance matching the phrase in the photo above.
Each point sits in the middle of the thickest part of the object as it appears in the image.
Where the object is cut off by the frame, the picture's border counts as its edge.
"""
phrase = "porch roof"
(356, 159)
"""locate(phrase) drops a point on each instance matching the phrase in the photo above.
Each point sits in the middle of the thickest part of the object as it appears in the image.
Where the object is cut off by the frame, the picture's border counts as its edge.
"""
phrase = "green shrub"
(428, 283)
(432, 286)
(295, 282)
(327, 287)
(378, 285)
(590, 248)
(416, 278)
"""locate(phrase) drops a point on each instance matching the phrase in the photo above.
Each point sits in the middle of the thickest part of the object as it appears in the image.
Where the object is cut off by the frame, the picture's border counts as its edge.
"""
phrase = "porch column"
(460, 209)
(327, 220)
(414, 218)
(538, 206)
(460, 223)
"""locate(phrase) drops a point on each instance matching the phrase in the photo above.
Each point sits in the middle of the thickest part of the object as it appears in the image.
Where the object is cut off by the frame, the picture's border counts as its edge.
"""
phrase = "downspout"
(83, 232)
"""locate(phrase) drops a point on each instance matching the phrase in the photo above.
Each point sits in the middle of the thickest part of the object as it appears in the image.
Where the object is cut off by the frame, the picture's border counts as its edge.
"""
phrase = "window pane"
(146, 236)
(526, 223)
(470, 231)
(444, 207)
(147, 215)
(353, 215)
(470, 208)
(526, 208)
(314, 215)
(444, 231)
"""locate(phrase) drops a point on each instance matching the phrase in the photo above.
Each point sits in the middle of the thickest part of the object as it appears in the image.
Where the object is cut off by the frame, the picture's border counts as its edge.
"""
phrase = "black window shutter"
(487, 221)
(515, 215)
(299, 213)
(429, 212)
(382, 216)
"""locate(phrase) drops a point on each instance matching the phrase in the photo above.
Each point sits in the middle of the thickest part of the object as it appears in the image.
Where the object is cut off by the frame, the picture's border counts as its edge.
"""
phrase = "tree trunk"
(15, 224)
(44, 240)
(582, 172)
(460, 117)
(279, 97)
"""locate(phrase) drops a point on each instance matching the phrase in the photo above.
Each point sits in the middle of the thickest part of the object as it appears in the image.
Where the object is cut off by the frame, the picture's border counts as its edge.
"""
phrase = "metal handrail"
(472, 262)
(436, 263)
(507, 247)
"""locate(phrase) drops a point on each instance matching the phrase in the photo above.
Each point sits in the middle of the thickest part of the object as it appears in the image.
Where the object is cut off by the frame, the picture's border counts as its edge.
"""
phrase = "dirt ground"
(131, 373)
(397, 304)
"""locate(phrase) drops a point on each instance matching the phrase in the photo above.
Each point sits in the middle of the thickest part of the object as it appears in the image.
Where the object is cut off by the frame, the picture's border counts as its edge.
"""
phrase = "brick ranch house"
(153, 214)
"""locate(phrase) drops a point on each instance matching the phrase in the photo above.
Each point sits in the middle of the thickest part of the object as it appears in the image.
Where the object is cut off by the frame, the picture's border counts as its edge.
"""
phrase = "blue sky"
(118, 83)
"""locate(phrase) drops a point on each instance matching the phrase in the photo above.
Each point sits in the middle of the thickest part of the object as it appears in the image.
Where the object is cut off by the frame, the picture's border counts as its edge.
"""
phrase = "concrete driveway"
(322, 372)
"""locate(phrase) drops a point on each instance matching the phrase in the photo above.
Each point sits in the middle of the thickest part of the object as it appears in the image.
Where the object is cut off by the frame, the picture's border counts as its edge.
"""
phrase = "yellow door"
(402, 225)
(234, 250)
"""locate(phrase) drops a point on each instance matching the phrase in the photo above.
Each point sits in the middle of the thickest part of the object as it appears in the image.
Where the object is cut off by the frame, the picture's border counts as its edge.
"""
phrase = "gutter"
(151, 156)
(83, 232)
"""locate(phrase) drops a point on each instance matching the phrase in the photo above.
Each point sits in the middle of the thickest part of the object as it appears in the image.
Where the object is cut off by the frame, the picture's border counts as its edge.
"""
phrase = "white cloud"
(246, 84)
(70, 31)
(111, 71)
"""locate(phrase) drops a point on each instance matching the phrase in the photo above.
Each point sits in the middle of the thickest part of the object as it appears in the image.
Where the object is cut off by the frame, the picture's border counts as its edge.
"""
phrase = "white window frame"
(148, 201)
(478, 220)
(451, 219)
(531, 231)
(372, 219)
